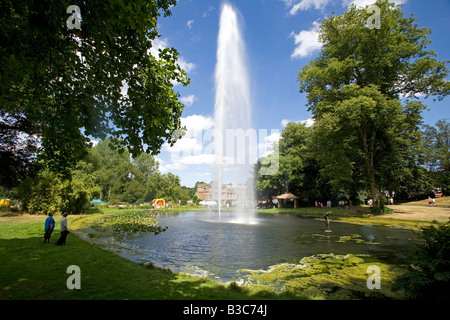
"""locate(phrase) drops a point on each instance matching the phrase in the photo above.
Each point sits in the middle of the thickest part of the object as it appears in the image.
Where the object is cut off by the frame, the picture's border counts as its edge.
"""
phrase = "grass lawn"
(412, 215)
(30, 269)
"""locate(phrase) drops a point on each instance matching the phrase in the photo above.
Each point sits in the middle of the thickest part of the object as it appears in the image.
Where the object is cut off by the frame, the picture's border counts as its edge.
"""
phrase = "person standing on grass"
(48, 227)
(64, 230)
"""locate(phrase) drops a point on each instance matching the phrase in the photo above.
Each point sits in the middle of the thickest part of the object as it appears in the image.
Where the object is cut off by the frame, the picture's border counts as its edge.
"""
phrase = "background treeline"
(301, 173)
(104, 173)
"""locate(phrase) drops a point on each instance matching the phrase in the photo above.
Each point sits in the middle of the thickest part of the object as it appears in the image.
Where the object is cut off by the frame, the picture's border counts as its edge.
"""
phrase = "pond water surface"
(203, 244)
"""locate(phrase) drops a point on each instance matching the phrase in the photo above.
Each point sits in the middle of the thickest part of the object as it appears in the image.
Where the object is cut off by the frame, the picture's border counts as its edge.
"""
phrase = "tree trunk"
(368, 148)
(374, 190)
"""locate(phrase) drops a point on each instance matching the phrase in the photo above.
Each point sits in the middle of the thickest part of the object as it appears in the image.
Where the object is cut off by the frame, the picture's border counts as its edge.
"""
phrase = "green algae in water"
(307, 238)
(329, 276)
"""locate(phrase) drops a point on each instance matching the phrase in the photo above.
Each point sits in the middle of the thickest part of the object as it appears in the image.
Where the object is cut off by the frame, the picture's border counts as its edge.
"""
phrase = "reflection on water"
(202, 244)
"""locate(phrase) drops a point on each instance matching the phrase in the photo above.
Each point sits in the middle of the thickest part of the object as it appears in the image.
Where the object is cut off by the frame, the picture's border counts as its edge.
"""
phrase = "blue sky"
(280, 38)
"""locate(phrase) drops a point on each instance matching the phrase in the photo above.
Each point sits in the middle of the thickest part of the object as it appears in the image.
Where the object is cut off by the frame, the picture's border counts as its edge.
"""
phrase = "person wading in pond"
(48, 227)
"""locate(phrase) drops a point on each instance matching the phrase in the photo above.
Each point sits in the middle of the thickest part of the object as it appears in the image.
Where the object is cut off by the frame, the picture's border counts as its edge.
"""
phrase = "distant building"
(230, 194)
(203, 191)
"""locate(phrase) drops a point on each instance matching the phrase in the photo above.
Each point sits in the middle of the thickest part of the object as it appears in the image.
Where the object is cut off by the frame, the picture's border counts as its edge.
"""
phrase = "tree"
(49, 192)
(354, 88)
(146, 164)
(63, 86)
(166, 186)
(298, 170)
(107, 160)
(17, 152)
(436, 142)
(121, 177)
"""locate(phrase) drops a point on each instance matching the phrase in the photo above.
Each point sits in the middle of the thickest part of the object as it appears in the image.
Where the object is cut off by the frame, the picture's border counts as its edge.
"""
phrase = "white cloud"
(189, 24)
(197, 146)
(186, 66)
(306, 41)
(161, 166)
(284, 122)
(186, 143)
(301, 5)
(157, 44)
(175, 167)
(199, 159)
(208, 12)
(191, 142)
(196, 123)
(266, 147)
(189, 100)
(200, 174)
(364, 3)
(309, 122)
(161, 43)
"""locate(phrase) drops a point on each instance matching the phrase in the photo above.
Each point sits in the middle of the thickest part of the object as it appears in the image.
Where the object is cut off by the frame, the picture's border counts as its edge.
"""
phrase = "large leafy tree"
(436, 142)
(62, 86)
(298, 171)
(364, 130)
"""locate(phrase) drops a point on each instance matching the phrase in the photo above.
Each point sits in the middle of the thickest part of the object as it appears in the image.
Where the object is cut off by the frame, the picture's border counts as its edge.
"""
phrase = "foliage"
(354, 90)
(436, 142)
(62, 86)
(104, 173)
(131, 180)
(428, 273)
(302, 174)
(17, 153)
(298, 171)
(49, 192)
(165, 186)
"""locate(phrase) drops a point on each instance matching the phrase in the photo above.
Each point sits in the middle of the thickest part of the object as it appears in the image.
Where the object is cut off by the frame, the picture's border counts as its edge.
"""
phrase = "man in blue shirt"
(49, 226)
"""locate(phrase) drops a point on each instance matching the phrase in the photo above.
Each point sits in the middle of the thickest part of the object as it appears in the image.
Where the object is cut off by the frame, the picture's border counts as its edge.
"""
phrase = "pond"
(204, 244)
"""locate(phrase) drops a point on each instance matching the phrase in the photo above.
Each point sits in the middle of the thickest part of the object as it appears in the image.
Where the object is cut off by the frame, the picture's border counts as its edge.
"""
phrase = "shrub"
(428, 274)
(49, 193)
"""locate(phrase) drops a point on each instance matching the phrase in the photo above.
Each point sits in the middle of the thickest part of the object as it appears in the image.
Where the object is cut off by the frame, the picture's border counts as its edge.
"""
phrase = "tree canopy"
(363, 93)
(60, 87)
(366, 91)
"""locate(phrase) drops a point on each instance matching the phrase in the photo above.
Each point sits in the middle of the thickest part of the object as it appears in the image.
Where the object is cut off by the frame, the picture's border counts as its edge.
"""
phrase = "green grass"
(355, 211)
(30, 269)
(356, 215)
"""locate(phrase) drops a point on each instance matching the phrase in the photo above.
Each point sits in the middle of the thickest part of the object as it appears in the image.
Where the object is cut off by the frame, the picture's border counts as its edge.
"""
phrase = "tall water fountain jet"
(233, 114)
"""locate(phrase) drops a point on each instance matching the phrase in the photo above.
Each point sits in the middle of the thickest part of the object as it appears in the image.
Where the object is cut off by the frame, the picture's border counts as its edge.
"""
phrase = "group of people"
(320, 205)
(340, 204)
(50, 226)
